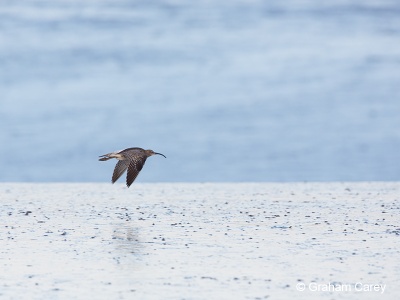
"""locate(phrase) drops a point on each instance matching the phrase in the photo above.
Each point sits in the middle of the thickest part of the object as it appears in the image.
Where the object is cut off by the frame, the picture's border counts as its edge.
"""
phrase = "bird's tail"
(105, 157)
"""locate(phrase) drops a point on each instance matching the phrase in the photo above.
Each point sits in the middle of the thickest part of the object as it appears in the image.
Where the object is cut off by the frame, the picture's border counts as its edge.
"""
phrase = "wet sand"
(200, 241)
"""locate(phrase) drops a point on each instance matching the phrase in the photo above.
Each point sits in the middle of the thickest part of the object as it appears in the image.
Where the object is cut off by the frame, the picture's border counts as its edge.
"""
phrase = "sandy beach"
(200, 241)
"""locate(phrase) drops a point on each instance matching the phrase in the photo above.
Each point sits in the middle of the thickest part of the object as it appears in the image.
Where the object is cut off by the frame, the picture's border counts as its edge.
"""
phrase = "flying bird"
(132, 159)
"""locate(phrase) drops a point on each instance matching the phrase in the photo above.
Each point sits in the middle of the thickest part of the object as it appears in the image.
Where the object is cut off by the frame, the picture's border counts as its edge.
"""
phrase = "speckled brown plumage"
(132, 159)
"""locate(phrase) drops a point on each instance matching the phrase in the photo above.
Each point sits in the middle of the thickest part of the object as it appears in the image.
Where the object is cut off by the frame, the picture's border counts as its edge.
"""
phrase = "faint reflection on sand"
(127, 240)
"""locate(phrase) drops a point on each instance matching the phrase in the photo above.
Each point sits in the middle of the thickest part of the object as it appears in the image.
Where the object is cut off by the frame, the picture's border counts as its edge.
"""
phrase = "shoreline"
(199, 240)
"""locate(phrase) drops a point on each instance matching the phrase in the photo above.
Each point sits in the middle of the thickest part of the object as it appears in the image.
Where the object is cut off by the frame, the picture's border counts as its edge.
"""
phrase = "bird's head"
(151, 152)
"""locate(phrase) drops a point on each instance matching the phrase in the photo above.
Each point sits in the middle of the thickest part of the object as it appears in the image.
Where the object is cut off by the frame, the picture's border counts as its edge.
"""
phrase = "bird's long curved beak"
(160, 154)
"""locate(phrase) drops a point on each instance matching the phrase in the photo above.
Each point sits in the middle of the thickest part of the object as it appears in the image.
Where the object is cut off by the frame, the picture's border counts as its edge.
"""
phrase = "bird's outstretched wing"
(136, 164)
(119, 169)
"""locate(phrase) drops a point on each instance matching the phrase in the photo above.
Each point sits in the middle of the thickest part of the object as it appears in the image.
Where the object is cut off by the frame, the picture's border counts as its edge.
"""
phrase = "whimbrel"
(132, 159)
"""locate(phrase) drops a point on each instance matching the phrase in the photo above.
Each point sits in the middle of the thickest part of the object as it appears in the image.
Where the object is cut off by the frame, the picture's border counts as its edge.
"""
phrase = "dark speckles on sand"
(252, 241)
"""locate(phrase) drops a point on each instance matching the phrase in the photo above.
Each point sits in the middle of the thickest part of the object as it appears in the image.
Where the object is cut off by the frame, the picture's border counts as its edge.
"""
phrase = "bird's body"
(132, 159)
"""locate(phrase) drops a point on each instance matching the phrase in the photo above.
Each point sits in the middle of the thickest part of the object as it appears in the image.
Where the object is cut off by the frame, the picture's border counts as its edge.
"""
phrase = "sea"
(228, 91)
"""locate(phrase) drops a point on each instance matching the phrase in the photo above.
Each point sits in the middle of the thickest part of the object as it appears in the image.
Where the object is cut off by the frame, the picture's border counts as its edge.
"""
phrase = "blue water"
(227, 90)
